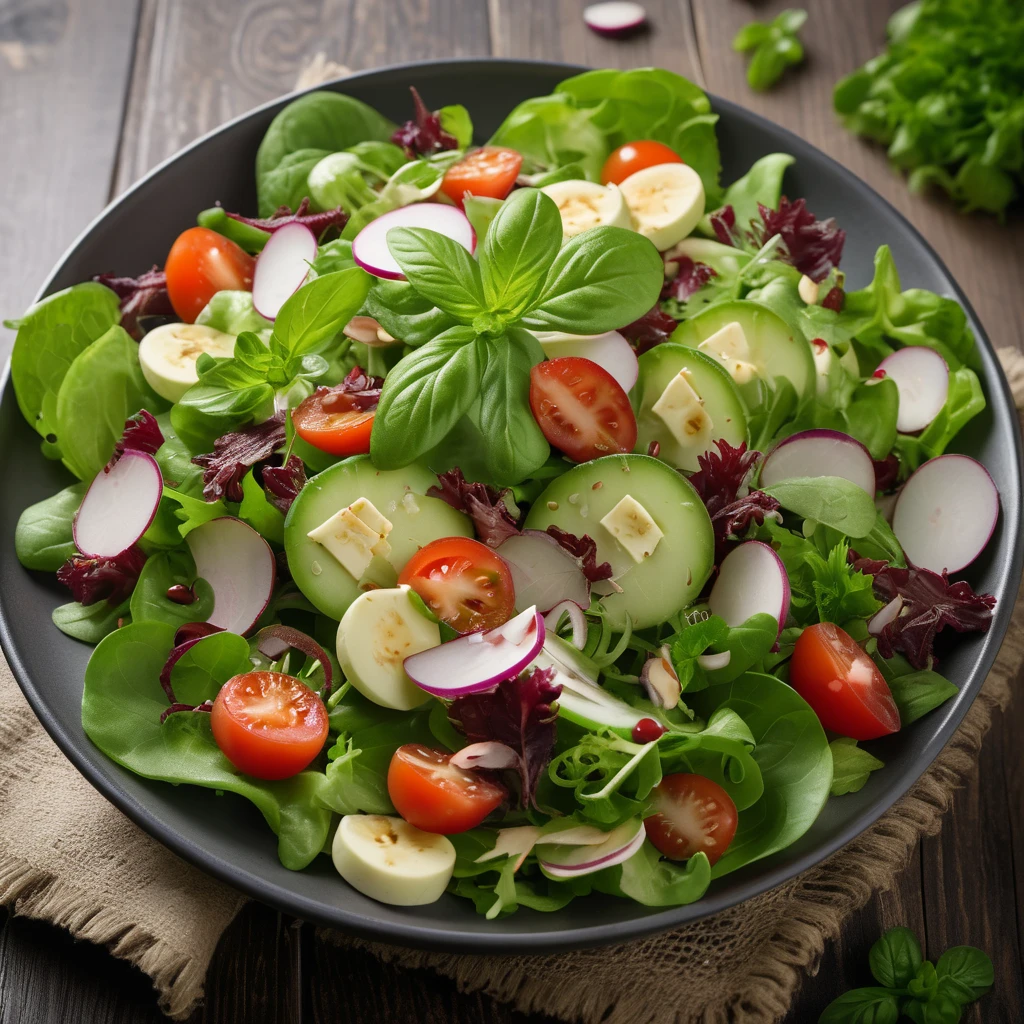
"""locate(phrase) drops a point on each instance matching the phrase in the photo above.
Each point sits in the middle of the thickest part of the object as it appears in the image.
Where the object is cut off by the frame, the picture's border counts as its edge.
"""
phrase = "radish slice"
(479, 661)
(119, 506)
(946, 513)
(281, 268)
(922, 379)
(238, 563)
(572, 861)
(489, 754)
(543, 572)
(752, 579)
(882, 618)
(576, 618)
(610, 351)
(370, 247)
(819, 453)
(614, 18)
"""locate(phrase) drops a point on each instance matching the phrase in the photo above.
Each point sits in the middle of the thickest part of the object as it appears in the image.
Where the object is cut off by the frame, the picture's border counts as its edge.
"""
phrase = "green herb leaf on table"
(851, 767)
(775, 47)
(863, 1006)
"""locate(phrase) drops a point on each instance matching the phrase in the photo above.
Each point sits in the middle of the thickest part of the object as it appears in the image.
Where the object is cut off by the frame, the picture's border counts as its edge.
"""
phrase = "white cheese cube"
(682, 410)
(354, 535)
(730, 347)
(632, 526)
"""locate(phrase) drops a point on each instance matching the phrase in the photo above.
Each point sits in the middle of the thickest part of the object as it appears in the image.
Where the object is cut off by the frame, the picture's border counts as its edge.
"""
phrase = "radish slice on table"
(576, 618)
(119, 506)
(543, 572)
(819, 453)
(614, 18)
(569, 861)
(946, 513)
(922, 379)
(478, 661)
(281, 268)
(610, 351)
(370, 247)
(752, 579)
(238, 563)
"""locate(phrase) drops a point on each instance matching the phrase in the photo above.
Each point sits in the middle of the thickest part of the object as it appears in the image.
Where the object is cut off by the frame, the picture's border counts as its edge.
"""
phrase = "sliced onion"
(576, 618)
(490, 755)
(543, 572)
(884, 616)
(713, 662)
(620, 844)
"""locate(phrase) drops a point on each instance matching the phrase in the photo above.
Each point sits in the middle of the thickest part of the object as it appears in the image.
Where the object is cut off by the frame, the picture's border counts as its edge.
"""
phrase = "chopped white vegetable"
(682, 410)
(354, 535)
(632, 526)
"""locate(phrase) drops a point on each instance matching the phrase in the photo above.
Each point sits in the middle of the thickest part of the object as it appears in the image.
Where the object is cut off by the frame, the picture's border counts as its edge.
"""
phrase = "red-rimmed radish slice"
(819, 453)
(119, 505)
(576, 618)
(370, 247)
(489, 754)
(922, 379)
(543, 572)
(614, 18)
(238, 563)
(610, 351)
(281, 268)
(478, 661)
(946, 513)
(751, 580)
(569, 861)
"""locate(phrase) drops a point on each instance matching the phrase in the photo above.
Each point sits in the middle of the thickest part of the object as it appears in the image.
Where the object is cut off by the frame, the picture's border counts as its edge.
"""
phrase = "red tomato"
(436, 797)
(200, 264)
(491, 171)
(693, 814)
(333, 422)
(581, 408)
(635, 156)
(268, 725)
(843, 685)
(463, 582)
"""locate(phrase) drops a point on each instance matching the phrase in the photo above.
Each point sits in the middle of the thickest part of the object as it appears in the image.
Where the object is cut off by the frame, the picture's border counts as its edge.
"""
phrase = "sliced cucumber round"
(672, 574)
(773, 348)
(397, 494)
(719, 397)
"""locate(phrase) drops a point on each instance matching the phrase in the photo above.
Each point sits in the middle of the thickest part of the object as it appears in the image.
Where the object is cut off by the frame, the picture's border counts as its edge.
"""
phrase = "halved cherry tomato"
(435, 796)
(842, 684)
(581, 408)
(693, 814)
(463, 582)
(268, 725)
(491, 171)
(635, 156)
(200, 264)
(333, 422)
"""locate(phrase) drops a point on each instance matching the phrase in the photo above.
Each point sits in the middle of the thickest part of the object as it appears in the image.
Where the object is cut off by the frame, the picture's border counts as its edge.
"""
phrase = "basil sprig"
(479, 366)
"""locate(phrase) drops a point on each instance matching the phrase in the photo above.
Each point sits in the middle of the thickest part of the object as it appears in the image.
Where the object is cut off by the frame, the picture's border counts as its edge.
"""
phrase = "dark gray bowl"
(225, 835)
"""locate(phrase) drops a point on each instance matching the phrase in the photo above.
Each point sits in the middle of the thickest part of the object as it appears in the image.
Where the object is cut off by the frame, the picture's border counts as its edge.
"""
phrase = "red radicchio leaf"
(813, 246)
(318, 223)
(97, 579)
(360, 390)
(235, 453)
(834, 299)
(283, 483)
(141, 296)
(887, 472)
(930, 603)
(584, 550)
(141, 434)
(651, 329)
(721, 474)
(519, 713)
(723, 223)
(484, 505)
(732, 522)
(691, 277)
(423, 135)
(187, 636)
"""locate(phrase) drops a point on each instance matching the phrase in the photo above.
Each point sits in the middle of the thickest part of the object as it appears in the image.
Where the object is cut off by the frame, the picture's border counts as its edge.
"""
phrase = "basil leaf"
(481, 211)
(318, 311)
(916, 691)
(965, 973)
(405, 314)
(851, 768)
(601, 280)
(518, 250)
(440, 269)
(424, 396)
(862, 1006)
(515, 445)
(895, 957)
(831, 500)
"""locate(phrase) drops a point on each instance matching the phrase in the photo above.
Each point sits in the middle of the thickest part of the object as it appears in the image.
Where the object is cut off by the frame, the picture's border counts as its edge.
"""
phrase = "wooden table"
(95, 92)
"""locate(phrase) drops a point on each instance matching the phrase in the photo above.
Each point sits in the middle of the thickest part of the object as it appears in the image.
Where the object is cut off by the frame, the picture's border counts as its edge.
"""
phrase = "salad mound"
(520, 521)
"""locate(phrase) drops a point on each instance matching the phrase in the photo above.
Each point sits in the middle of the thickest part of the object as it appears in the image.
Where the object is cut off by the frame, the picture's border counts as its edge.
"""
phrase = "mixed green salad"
(522, 521)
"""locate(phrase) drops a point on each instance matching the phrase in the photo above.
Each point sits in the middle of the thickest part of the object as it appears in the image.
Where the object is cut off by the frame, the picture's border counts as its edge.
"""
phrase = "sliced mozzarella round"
(585, 204)
(168, 354)
(666, 201)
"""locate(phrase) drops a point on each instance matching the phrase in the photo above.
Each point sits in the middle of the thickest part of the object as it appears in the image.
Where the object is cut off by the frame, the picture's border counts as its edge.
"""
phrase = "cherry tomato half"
(635, 156)
(463, 582)
(491, 171)
(268, 725)
(842, 684)
(435, 796)
(581, 408)
(693, 814)
(200, 264)
(333, 422)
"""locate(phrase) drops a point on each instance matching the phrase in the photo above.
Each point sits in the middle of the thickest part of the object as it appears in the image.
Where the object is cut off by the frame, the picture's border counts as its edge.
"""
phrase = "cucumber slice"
(397, 494)
(668, 579)
(720, 396)
(775, 349)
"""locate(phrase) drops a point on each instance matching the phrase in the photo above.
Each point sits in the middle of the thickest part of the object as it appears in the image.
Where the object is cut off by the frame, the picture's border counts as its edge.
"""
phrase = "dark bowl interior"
(225, 835)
